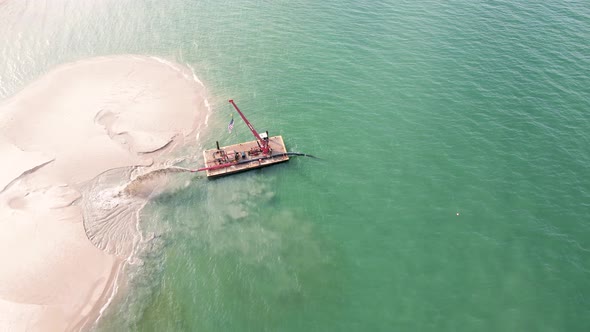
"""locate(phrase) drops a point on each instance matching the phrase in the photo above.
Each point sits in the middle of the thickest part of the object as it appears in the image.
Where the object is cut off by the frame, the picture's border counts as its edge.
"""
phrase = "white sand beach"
(62, 131)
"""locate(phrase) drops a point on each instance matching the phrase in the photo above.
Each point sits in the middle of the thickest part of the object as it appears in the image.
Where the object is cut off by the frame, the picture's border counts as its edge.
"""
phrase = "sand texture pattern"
(57, 136)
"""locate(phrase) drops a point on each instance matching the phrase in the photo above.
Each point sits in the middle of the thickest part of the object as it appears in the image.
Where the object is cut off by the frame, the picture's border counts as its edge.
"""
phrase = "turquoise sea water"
(454, 190)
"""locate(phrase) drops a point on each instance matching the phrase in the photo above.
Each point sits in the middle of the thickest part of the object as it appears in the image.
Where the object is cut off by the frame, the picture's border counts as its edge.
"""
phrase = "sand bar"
(62, 131)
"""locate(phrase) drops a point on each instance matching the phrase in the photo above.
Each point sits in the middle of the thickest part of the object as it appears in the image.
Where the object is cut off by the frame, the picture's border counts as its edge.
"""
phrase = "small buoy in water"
(457, 213)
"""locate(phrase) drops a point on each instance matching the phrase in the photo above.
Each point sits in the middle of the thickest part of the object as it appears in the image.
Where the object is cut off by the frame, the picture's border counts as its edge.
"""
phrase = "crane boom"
(263, 143)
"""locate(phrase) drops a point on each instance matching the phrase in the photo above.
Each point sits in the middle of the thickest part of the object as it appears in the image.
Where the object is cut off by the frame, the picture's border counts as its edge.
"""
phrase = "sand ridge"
(65, 130)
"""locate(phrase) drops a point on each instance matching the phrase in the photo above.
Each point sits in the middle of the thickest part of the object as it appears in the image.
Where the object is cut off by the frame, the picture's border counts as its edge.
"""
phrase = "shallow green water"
(453, 194)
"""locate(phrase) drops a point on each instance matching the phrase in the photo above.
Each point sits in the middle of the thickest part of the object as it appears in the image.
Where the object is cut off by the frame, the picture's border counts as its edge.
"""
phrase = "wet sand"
(59, 134)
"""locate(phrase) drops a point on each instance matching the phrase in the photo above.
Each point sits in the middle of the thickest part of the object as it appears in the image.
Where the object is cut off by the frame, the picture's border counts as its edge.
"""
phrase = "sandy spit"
(58, 134)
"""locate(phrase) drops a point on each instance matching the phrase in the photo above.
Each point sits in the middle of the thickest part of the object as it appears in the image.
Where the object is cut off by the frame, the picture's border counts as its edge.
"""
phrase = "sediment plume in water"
(111, 204)
(146, 184)
(70, 145)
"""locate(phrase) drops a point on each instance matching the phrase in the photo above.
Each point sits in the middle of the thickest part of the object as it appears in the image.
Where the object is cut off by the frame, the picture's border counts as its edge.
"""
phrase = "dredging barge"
(231, 159)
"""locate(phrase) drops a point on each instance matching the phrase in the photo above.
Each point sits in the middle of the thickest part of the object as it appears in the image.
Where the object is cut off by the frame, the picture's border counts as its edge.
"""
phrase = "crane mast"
(262, 142)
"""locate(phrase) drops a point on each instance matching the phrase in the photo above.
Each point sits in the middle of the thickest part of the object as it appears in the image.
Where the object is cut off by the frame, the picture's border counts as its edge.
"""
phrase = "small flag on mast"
(230, 126)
